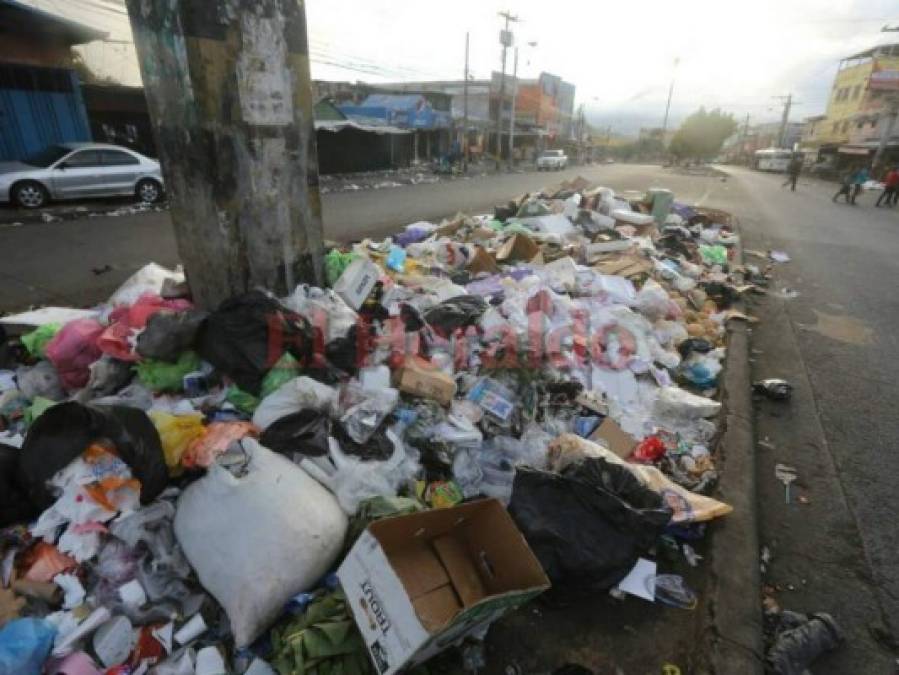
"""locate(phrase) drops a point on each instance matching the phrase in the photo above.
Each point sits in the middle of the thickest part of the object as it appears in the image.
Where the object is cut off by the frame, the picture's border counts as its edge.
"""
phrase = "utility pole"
(887, 131)
(512, 112)
(668, 105)
(744, 136)
(465, 110)
(785, 118)
(228, 88)
(505, 38)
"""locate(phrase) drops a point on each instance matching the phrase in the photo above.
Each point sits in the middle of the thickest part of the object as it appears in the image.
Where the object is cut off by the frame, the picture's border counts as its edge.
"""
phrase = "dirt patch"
(841, 328)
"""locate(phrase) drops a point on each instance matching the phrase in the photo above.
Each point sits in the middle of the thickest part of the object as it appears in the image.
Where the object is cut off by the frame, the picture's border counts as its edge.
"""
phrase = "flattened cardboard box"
(418, 584)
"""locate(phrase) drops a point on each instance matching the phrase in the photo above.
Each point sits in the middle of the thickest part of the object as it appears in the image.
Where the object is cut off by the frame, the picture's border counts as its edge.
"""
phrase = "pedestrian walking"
(793, 171)
(858, 180)
(890, 187)
(845, 185)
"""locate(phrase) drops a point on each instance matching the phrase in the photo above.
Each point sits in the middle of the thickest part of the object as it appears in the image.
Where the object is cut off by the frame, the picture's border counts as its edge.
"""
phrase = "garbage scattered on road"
(786, 475)
(774, 388)
(800, 639)
(474, 413)
(779, 256)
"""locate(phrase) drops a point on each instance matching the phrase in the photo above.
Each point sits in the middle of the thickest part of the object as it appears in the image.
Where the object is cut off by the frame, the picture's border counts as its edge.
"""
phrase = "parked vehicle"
(78, 170)
(773, 159)
(552, 159)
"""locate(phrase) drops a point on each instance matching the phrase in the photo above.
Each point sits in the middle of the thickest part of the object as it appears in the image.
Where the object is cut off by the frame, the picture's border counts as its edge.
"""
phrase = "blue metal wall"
(39, 107)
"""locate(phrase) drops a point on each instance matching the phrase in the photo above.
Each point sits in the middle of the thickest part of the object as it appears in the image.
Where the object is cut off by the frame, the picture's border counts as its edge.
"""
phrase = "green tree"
(702, 134)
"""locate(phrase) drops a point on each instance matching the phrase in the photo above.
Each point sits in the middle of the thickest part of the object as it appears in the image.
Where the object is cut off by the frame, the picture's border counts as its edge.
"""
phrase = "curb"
(732, 637)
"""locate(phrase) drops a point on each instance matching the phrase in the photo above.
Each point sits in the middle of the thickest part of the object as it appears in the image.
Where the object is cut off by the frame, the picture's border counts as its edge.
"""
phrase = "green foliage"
(702, 134)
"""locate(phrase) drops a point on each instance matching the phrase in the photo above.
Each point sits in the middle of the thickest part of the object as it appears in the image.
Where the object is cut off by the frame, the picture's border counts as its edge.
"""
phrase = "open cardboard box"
(420, 583)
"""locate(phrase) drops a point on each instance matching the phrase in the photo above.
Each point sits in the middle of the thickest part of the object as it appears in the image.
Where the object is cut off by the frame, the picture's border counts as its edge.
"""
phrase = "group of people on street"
(852, 182)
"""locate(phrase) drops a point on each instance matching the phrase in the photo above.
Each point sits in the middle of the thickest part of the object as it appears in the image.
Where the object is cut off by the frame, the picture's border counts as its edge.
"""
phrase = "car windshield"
(47, 156)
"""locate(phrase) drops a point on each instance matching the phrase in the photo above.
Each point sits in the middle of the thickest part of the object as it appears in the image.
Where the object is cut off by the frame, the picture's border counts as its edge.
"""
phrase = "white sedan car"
(78, 170)
(552, 159)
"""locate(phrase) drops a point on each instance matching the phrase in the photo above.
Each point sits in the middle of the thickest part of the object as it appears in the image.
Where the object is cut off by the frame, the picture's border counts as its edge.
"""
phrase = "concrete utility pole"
(887, 131)
(668, 105)
(744, 136)
(785, 118)
(512, 112)
(228, 88)
(505, 38)
(465, 111)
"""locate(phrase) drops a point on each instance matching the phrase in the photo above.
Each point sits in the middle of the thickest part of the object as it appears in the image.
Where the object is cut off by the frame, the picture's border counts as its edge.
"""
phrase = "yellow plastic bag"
(176, 432)
(688, 507)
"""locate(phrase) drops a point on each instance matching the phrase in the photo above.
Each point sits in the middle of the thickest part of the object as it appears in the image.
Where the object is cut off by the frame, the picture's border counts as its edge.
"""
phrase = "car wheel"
(148, 190)
(30, 194)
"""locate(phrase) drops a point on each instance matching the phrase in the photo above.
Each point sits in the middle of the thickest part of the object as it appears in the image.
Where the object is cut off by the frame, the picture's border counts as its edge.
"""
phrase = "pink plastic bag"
(73, 350)
(118, 339)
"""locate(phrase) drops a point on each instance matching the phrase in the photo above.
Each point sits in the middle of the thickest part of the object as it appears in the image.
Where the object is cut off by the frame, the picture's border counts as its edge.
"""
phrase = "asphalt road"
(54, 262)
(837, 549)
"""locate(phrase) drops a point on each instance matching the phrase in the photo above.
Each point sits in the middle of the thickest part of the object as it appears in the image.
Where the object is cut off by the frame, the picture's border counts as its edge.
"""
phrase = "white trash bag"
(258, 540)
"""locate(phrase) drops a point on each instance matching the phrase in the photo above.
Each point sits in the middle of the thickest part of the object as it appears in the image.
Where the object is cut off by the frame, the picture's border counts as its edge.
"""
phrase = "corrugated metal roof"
(22, 18)
(393, 101)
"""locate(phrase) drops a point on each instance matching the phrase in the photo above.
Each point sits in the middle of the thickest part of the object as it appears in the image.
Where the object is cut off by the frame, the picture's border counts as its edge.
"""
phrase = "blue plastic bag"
(25, 645)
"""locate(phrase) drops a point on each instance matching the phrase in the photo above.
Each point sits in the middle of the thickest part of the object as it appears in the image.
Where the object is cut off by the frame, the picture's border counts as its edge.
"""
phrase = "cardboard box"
(614, 438)
(482, 261)
(422, 379)
(518, 248)
(420, 583)
(356, 282)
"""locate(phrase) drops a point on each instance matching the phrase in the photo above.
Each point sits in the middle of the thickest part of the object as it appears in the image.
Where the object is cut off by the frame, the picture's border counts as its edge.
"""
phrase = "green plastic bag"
(243, 401)
(285, 369)
(335, 263)
(37, 408)
(713, 255)
(159, 376)
(36, 341)
(323, 641)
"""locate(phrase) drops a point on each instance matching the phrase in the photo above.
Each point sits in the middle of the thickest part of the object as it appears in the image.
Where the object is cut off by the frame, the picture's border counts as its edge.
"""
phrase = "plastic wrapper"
(73, 349)
(455, 313)
(673, 402)
(686, 506)
(160, 376)
(299, 393)
(325, 310)
(25, 645)
(273, 553)
(37, 340)
(335, 264)
(118, 339)
(40, 380)
(176, 433)
(148, 279)
(364, 410)
(168, 334)
(107, 376)
(801, 640)
(217, 437)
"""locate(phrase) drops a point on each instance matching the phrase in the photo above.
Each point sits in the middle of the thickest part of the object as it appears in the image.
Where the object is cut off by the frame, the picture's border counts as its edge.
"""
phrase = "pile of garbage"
(352, 478)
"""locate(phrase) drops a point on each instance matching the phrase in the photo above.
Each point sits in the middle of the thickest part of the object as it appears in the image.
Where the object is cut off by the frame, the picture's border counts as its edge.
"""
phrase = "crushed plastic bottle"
(775, 389)
(672, 590)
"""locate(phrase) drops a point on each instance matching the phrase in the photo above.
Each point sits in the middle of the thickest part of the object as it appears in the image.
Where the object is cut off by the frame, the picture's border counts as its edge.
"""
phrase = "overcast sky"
(620, 55)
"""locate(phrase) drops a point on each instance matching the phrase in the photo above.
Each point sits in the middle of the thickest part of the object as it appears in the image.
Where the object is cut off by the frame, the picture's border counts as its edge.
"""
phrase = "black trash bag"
(305, 432)
(66, 430)
(169, 333)
(690, 345)
(449, 315)
(247, 335)
(14, 505)
(724, 295)
(107, 377)
(673, 243)
(800, 640)
(378, 447)
(774, 388)
(588, 525)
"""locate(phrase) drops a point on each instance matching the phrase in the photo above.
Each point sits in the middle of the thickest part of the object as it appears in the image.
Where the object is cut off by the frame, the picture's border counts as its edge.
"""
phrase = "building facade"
(864, 92)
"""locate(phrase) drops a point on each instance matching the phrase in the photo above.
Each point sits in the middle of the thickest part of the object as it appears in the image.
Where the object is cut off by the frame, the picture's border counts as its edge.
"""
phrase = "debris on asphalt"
(786, 475)
(779, 256)
(355, 478)
(800, 639)
(774, 388)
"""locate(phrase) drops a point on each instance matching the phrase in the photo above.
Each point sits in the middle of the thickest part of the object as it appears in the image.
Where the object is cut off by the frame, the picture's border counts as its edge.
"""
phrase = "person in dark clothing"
(890, 187)
(845, 186)
(793, 171)
(858, 181)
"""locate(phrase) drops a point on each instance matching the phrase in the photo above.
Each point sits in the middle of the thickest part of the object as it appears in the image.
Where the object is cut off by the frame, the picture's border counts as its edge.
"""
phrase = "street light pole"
(465, 111)
(887, 132)
(512, 112)
(506, 41)
(668, 105)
